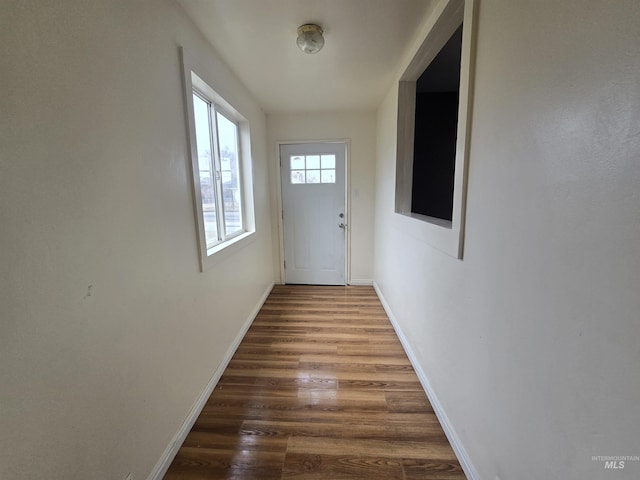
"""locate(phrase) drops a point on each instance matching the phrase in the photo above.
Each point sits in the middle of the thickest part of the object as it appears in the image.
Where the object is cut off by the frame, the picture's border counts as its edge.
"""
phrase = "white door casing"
(313, 180)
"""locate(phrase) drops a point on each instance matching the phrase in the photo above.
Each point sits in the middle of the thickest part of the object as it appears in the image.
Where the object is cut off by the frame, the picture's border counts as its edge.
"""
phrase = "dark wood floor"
(320, 388)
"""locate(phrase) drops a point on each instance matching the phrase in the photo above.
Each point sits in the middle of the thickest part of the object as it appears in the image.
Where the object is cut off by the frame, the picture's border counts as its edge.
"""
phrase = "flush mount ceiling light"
(310, 39)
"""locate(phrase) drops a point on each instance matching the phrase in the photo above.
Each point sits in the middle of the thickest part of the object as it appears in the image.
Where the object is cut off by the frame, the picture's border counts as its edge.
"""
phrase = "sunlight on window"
(219, 171)
(207, 176)
(228, 144)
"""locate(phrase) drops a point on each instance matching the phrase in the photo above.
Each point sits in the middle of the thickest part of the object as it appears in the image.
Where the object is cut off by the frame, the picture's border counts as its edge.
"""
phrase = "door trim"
(347, 166)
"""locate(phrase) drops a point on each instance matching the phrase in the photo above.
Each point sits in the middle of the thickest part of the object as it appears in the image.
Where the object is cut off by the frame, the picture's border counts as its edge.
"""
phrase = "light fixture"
(310, 39)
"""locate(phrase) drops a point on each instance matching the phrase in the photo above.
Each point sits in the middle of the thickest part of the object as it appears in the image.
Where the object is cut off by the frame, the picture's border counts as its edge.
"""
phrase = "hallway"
(320, 388)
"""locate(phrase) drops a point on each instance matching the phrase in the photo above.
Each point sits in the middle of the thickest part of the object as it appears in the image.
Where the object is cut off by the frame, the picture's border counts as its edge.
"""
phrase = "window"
(221, 169)
(219, 172)
(313, 169)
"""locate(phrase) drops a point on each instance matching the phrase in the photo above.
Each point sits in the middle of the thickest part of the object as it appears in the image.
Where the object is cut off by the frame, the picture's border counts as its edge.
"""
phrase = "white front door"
(314, 212)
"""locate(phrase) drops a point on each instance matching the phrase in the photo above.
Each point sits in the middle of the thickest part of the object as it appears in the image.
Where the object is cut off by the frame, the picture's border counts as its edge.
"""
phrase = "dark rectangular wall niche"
(434, 154)
(436, 125)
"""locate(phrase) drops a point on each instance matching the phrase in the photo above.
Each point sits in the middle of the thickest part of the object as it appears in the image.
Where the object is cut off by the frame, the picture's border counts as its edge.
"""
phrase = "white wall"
(359, 129)
(108, 332)
(531, 342)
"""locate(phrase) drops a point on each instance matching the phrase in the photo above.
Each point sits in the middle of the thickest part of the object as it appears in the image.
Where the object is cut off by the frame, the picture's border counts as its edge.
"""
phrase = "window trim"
(443, 235)
(194, 81)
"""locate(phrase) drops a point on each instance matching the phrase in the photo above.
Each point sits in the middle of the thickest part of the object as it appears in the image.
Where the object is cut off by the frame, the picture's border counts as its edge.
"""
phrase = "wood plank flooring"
(320, 388)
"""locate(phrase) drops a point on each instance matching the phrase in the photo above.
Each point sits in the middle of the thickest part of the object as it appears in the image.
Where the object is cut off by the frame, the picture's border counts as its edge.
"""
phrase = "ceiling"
(364, 43)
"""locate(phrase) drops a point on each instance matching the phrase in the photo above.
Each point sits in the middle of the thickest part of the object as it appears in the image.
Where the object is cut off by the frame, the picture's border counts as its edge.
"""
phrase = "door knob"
(343, 225)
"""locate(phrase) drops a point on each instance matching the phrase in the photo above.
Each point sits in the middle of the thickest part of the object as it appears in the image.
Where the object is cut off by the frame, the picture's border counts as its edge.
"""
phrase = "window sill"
(437, 233)
(434, 220)
(224, 250)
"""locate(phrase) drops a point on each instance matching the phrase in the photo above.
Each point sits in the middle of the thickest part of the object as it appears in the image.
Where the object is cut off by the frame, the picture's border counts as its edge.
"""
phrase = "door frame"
(347, 194)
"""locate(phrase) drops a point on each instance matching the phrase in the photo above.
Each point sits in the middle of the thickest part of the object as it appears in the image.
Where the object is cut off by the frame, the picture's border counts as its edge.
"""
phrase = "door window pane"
(313, 176)
(328, 176)
(313, 162)
(328, 161)
(297, 163)
(297, 176)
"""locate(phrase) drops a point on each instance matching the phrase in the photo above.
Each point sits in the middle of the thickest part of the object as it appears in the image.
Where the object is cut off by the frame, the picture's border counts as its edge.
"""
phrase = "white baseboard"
(178, 439)
(459, 450)
(361, 281)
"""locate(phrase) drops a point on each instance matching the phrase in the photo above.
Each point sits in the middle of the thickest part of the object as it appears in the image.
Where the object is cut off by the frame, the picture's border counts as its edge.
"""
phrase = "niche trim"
(441, 234)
